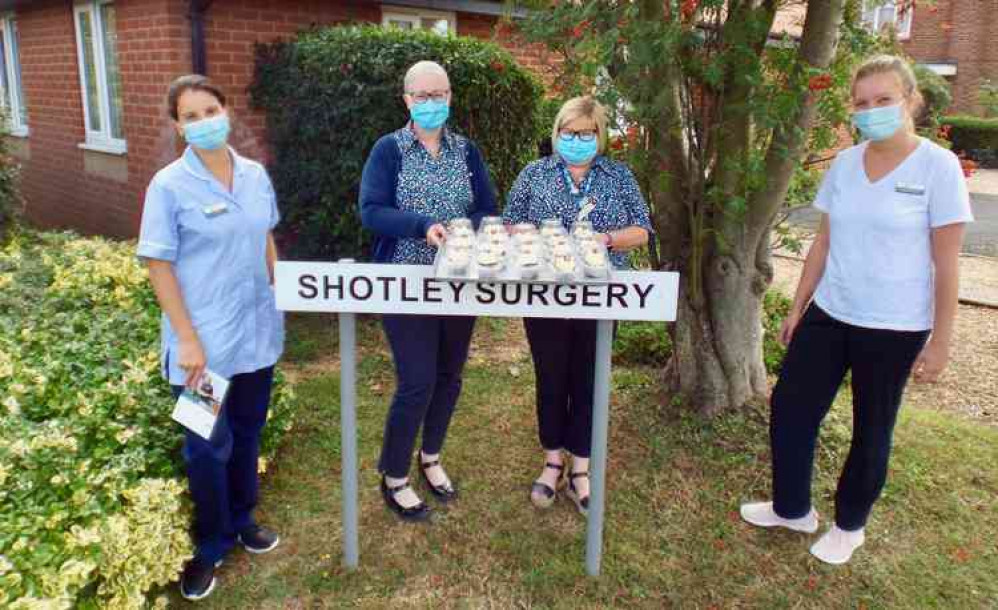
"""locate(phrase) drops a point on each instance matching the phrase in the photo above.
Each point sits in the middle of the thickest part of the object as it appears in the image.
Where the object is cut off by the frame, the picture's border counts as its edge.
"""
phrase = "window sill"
(119, 149)
(20, 132)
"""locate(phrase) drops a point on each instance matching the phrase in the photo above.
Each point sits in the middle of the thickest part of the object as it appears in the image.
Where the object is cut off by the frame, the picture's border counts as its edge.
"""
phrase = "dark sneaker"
(198, 580)
(259, 540)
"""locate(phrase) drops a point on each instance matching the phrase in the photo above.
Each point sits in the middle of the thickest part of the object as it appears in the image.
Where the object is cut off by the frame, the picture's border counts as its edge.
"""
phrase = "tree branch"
(817, 49)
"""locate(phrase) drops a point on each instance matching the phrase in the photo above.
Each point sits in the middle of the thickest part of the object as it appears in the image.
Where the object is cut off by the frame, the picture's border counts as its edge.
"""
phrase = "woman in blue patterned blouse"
(575, 183)
(415, 180)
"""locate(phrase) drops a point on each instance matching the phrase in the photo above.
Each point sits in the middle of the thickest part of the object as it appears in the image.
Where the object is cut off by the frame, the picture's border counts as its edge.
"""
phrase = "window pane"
(15, 53)
(401, 24)
(887, 16)
(110, 31)
(438, 26)
(4, 85)
(89, 71)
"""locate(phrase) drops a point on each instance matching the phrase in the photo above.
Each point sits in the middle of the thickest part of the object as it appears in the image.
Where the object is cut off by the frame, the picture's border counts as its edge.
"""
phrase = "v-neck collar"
(885, 178)
(194, 166)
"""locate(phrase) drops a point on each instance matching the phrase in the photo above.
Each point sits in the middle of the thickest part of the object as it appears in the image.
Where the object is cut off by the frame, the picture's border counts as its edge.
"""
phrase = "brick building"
(955, 38)
(86, 81)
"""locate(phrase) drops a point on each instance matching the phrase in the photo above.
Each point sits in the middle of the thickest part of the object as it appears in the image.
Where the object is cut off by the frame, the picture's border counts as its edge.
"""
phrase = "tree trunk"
(718, 338)
(717, 359)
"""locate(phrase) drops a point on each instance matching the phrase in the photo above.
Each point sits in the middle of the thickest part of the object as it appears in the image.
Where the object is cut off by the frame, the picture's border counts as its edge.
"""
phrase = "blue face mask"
(879, 123)
(430, 114)
(208, 134)
(576, 152)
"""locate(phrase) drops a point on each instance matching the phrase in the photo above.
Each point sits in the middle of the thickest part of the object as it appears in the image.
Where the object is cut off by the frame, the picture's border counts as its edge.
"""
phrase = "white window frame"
(417, 16)
(96, 139)
(876, 25)
(11, 99)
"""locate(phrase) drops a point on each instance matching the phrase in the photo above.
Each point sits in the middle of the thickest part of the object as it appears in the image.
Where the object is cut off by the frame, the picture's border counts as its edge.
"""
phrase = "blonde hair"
(584, 107)
(419, 69)
(892, 64)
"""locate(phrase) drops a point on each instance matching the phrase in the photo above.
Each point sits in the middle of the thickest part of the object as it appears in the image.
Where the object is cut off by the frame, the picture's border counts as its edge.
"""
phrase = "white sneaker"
(763, 515)
(836, 546)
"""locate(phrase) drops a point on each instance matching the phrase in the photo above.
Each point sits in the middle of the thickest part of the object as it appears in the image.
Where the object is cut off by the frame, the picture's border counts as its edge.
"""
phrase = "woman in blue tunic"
(206, 237)
(415, 180)
(575, 183)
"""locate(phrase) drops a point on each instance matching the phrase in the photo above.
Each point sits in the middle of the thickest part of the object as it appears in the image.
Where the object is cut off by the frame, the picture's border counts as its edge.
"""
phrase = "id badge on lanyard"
(584, 203)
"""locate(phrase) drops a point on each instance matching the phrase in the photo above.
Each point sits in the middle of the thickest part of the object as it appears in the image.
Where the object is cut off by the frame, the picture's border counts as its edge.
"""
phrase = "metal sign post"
(348, 288)
(348, 434)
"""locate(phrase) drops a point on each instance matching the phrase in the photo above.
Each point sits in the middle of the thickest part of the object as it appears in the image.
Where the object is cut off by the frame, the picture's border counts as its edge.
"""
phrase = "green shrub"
(10, 200)
(642, 343)
(974, 136)
(330, 94)
(936, 94)
(775, 307)
(987, 95)
(91, 486)
(648, 344)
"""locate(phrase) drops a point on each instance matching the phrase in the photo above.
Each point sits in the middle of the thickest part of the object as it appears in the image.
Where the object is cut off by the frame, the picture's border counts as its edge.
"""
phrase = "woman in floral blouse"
(416, 179)
(575, 183)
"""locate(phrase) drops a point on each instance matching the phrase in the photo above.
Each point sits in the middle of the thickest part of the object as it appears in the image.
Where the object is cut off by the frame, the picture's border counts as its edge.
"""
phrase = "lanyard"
(580, 194)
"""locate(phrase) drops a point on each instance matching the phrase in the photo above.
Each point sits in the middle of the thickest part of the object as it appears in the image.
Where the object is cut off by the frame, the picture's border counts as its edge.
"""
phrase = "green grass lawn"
(673, 537)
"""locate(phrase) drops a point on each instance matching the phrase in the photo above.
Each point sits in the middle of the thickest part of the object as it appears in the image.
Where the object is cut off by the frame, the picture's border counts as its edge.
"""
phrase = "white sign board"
(413, 289)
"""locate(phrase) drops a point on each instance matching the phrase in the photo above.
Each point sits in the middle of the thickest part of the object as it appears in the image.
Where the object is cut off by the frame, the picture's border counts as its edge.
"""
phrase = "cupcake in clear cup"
(489, 261)
(595, 263)
(550, 227)
(457, 258)
(491, 226)
(563, 262)
(583, 230)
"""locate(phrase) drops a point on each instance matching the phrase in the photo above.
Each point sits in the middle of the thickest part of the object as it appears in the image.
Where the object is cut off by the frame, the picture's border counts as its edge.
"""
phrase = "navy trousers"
(429, 354)
(222, 471)
(564, 354)
(821, 352)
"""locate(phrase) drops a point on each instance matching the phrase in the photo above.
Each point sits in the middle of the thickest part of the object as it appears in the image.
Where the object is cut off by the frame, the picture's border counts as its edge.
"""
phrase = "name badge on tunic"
(215, 209)
(587, 207)
(909, 188)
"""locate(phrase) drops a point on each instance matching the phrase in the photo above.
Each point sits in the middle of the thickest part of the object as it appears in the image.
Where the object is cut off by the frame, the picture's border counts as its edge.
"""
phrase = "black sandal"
(420, 512)
(444, 493)
(581, 503)
(541, 494)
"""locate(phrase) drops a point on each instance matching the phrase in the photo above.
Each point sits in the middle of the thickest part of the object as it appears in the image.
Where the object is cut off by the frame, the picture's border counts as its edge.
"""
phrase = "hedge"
(10, 169)
(974, 136)
(93, 507)
(330, 94)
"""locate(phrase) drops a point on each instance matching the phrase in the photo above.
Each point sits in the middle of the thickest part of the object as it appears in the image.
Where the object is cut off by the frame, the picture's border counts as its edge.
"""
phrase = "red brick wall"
(153, 49)
(960, 31)
(232, 29)
(58, 190)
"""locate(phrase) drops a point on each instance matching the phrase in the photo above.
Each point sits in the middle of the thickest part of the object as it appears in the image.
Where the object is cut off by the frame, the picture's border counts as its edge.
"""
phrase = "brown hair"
(190, 82)
(892, 64)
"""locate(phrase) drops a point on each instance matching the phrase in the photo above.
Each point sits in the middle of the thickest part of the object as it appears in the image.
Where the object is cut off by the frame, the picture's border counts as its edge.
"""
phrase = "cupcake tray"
(509, 271)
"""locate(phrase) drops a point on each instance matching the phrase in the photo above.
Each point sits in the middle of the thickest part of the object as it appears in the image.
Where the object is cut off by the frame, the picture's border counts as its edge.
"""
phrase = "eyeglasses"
(584, 135)
(421, 96)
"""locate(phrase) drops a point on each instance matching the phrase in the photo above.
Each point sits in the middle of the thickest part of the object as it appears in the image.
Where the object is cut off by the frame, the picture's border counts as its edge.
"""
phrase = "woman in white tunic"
(877, 297)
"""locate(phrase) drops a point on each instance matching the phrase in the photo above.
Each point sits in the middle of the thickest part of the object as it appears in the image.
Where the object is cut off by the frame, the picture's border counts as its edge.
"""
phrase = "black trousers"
(564, 353)
(429, 354)
(821, 352)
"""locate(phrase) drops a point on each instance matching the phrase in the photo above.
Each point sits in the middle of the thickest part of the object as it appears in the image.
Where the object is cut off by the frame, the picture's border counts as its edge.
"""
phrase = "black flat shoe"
(542, 494)
(420, 512)
(581, 502)
(444, 493)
